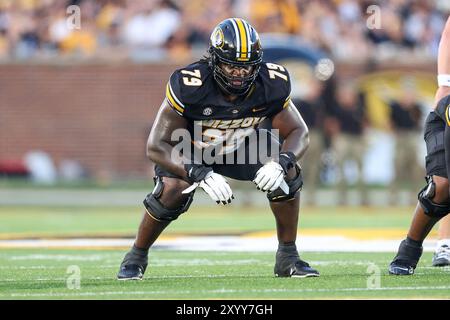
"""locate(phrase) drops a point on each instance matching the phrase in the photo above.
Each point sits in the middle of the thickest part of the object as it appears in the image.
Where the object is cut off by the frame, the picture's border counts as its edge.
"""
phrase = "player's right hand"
(271, 177)
(214, 184)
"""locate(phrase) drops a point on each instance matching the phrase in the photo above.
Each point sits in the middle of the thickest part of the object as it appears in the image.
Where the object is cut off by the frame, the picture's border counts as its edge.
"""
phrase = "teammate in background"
(312, 110)
(225, 96)
(349, 138)
(441, 257)
(405, 123)
(434, 199)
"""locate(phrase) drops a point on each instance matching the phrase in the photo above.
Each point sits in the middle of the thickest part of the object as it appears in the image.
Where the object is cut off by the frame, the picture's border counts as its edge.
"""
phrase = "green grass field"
(123, 221)
(44, 273)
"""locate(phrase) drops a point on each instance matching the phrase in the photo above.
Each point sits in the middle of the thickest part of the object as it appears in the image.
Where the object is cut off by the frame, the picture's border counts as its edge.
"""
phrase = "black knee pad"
(431, 208)
(157, 210)
(295, 185)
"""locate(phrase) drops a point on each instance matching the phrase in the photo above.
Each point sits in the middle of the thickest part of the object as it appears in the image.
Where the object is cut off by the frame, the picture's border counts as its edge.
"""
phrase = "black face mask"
(226, 82)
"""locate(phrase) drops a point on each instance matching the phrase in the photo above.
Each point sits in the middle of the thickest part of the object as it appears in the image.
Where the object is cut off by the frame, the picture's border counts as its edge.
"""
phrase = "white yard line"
(226, 243)
(249, 291)
(58, 257)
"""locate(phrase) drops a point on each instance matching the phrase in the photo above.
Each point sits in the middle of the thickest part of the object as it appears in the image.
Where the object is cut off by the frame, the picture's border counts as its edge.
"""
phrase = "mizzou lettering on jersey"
(233, 124)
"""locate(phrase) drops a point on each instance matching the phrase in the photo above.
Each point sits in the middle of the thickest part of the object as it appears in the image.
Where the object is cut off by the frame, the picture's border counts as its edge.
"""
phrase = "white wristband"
(443, 80)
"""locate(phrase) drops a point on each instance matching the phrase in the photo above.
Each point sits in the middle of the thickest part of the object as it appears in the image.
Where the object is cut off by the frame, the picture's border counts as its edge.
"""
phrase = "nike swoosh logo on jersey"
(259, 109)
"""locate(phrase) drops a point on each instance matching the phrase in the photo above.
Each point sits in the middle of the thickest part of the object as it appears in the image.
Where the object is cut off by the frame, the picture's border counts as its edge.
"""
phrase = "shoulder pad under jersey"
(187, 86)
(277, 85)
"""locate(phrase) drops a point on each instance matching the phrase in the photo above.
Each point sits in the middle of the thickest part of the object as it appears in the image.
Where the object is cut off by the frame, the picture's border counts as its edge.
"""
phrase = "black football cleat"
(297, 269)
(401, 268)
(406, 260)
(131, 272)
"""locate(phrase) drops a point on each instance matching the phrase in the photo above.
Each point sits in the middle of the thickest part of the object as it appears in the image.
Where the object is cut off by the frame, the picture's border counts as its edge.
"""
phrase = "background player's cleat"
(401, 268)
(441, 257)
(297, 269)
(131, 272)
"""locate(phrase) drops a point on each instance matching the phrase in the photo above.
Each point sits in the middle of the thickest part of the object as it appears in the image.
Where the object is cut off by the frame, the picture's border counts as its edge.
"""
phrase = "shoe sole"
(126, 279)
(441, 264)
(306, 276)
(400, 274)
(309, 275)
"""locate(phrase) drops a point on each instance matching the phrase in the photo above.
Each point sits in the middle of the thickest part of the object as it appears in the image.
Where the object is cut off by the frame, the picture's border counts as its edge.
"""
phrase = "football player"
(434, 200)
(225, 96)
(441, 257)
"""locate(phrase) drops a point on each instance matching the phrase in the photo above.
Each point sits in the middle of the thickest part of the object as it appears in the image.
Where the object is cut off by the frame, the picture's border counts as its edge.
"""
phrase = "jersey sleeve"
(173, 93)
(278, 84)
(279, 105)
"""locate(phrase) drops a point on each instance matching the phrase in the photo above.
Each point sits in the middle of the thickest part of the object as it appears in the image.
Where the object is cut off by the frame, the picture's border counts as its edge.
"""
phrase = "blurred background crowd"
(365, 116)
(119, 28)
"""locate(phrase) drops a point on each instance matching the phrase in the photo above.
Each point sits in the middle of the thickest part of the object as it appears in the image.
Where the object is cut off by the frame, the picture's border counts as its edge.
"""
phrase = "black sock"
(414, 242)
(287, 247)
(139, 251)
(136, 256)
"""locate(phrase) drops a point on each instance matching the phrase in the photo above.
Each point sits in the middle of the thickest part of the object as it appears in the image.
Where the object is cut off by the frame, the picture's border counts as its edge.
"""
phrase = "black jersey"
(442, 109)
(193, 94)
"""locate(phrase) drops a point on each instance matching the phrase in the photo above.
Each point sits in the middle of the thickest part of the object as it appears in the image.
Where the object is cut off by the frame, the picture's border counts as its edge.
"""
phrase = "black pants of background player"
(434, 138)
(436, 170)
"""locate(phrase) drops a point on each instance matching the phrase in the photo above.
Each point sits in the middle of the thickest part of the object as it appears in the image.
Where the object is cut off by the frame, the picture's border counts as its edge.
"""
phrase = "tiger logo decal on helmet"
(217, 38)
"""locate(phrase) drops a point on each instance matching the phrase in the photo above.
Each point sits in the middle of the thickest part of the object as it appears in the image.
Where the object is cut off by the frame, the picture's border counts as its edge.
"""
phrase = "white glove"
(216, 186)
(271, 177)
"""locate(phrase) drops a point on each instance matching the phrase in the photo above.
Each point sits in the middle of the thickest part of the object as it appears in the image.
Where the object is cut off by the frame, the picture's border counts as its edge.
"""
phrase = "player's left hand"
(271, 177)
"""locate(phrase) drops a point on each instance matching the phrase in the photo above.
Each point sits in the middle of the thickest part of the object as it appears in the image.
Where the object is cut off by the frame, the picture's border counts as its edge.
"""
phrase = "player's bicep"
(443, 63)
(444, 50)
(288, 120)
(166, 123)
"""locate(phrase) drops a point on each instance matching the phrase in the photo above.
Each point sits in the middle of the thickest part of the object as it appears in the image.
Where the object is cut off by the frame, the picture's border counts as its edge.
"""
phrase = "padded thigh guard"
(431, 208)
(295, 185)
(157, 210)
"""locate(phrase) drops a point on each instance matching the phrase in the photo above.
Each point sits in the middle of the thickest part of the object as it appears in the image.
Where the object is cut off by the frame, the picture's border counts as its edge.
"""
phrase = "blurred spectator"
(70, 170)
(348, 140)
(199, 17)
(4, 43)
(152, 24)
(406, 120)
(311, 107)
(150, 27)
(275, 15)
(41, 166)
(80, 42)
(37, 28)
